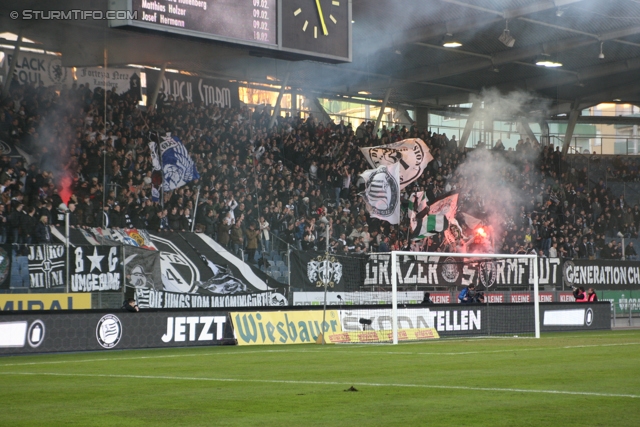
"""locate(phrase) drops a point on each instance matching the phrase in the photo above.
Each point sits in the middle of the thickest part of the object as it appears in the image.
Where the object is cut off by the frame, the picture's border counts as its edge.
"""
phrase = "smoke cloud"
(494, 185)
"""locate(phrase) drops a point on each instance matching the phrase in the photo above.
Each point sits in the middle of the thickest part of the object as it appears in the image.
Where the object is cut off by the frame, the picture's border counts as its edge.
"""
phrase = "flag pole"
(195, 210)
(326, 280)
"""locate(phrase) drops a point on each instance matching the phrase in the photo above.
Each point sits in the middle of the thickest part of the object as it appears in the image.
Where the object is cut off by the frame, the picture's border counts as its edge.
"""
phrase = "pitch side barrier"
(84, 330)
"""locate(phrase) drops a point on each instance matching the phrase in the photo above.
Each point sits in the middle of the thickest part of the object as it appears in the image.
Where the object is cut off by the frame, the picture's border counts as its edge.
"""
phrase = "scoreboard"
(315, 29)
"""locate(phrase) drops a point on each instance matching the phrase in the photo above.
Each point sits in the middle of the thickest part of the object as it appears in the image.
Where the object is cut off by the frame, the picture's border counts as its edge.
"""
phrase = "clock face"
(320, 26)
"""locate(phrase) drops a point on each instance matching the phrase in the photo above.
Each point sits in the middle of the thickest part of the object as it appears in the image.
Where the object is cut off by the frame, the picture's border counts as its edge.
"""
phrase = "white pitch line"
(115, 359)
(342, 384)
(290, 350)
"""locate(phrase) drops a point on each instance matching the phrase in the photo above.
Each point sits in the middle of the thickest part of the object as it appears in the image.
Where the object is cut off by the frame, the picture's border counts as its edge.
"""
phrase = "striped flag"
(437, 223)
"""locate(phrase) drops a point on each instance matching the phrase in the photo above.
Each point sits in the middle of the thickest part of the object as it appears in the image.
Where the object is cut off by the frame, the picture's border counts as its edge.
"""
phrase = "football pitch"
(563, 379)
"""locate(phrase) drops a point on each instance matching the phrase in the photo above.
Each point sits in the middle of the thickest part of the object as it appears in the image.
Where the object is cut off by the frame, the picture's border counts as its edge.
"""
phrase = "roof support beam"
(571, 125)
(276, 110)
(151, 100)
(382, 108)
(527, 131)
(12, 67)
(468, 127)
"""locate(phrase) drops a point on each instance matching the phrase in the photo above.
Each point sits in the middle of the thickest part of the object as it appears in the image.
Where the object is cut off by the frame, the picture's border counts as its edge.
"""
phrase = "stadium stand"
(293, 176)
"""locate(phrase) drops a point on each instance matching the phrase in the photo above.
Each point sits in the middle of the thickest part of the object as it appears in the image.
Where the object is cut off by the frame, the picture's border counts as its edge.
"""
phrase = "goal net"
(407, 296)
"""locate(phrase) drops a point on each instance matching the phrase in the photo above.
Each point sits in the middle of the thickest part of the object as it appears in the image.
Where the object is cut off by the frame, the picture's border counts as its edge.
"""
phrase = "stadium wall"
(63, 331)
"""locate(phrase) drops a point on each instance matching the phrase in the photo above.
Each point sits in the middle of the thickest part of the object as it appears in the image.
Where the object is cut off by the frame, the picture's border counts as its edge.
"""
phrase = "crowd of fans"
(262, 187)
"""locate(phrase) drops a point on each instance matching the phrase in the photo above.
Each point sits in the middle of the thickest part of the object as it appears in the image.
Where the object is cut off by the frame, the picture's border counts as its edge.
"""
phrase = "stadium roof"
(397, 45)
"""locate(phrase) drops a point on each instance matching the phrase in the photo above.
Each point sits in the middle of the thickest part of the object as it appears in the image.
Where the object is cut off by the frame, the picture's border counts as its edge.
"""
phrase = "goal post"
(462, 256)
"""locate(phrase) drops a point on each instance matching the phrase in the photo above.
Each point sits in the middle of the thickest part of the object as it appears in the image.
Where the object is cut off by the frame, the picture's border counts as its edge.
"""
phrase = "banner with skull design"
(411, 155)
(311, 270)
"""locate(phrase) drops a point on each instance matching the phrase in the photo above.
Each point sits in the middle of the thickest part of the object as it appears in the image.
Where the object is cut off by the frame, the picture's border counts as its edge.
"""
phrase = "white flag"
(382, 192)
(411, 154)
(155, 160)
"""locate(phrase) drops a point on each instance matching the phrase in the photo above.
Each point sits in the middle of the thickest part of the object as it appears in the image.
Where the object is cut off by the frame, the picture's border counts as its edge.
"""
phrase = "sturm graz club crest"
(487, 273)
(382, 192)
(449, 270)
(568, 267)
(109, 331)
(324, 269)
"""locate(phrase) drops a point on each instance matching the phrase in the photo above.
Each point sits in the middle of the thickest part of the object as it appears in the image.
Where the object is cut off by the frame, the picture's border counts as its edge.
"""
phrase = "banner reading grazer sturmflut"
(283, 327)
(422, 269)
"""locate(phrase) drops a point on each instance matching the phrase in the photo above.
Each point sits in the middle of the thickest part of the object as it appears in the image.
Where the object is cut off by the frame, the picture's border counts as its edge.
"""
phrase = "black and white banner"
(46, 266)
(123, 80)
(382, 192)
(179, 263)
(36, 68)
(196, 90)
(142, 268)
(449, 271)
(310, 271)
(603, 274)
(412, 155)
(150, 298)
(95, 269)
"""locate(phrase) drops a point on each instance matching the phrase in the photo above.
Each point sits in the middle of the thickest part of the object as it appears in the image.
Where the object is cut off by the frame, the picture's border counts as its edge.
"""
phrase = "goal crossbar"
(394, 281)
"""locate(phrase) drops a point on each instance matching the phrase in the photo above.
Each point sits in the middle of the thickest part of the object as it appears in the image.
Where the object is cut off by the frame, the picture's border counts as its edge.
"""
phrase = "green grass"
(571, 379)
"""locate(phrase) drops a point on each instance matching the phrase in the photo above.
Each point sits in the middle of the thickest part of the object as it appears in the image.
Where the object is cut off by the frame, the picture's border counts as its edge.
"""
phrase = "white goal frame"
(394, 281)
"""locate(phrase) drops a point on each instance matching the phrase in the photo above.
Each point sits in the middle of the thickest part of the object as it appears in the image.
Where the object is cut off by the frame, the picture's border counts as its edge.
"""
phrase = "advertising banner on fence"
(310, 270)
(96, 269)
(283, 327)
(448, 271)
(357, 298)
(603, 274)
(623, 301)
(81, 331)
(196, 90)
(16, 302)
(46, 266)
(382, 336)
(459, 320)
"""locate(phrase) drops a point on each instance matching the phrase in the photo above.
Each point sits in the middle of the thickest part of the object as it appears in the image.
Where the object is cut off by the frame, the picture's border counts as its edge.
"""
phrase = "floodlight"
(450, 41)
(506, 37)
